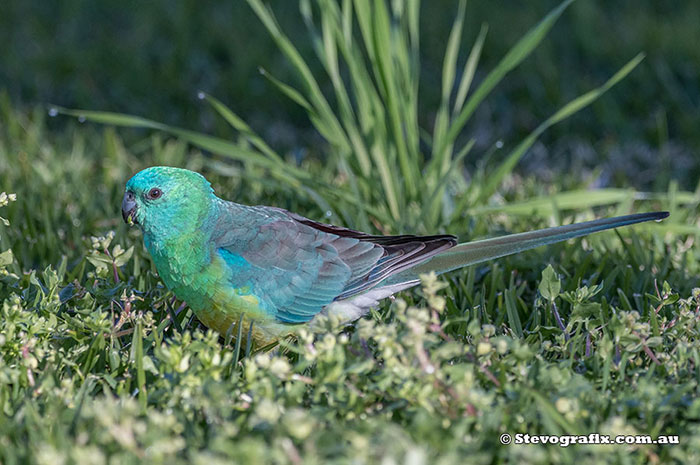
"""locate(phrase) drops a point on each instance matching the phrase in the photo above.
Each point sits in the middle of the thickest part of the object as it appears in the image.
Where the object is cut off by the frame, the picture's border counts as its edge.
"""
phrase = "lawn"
(100, 363)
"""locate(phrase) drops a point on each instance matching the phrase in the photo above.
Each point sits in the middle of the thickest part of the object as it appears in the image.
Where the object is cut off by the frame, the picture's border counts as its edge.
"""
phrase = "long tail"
(470, 253)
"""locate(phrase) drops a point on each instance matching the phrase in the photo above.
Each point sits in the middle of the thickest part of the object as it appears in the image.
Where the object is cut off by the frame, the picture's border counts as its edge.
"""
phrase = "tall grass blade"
(513, 58)
(315, 96)
(431, 208)
(570, 200)
(449, 67)
(469, 70)
(382, 39)
(494, 179)
(293, 94)
(237, 123)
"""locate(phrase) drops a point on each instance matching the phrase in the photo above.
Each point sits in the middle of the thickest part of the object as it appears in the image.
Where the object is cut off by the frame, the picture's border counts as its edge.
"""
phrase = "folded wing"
(296, 266)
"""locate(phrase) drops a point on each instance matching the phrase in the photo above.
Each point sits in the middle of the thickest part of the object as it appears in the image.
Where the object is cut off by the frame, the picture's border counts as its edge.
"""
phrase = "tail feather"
(470, 253)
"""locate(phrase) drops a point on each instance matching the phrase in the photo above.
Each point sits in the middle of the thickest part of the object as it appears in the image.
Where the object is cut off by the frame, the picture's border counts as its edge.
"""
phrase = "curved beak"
(129, 207)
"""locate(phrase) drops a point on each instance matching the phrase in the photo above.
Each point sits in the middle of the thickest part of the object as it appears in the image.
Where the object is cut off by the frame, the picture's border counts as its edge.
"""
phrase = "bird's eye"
(154, 193)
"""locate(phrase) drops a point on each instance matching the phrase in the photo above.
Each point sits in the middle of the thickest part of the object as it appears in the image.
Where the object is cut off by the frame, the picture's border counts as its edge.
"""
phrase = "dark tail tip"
(658, 216)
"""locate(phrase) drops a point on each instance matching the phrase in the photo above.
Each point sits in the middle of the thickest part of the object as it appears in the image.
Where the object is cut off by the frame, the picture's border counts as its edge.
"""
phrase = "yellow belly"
(220, 306)
(226, 313)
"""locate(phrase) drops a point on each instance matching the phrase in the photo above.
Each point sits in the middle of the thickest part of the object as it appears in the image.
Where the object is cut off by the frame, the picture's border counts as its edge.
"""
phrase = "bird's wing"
(296, 266)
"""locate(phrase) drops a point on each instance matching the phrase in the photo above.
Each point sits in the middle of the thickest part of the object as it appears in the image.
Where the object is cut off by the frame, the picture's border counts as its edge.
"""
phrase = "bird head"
(163, 199)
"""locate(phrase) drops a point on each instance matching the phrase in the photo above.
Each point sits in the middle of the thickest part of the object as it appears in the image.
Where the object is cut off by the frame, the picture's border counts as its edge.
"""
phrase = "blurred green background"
(151, 58)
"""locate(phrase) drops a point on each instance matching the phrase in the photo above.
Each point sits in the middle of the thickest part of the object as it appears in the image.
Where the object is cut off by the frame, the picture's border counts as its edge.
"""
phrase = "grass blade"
(513, 58)
(381, 29)
(512, 311)
(321, 105)
(138, 358)
(284, 172)
(249, 340)
(495, 178)
(469, 69)
(239, 335)
(448, 80)
(237, 123)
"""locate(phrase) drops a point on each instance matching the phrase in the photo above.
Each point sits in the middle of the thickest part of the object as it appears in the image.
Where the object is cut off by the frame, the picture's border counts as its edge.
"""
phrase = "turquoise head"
(164, 201)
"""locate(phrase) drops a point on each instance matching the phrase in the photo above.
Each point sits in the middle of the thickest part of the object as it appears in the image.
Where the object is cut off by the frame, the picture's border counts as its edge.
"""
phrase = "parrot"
(275, 271)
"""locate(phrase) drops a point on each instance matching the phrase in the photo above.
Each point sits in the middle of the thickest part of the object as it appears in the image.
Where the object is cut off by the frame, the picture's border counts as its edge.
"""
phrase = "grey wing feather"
(298, 266)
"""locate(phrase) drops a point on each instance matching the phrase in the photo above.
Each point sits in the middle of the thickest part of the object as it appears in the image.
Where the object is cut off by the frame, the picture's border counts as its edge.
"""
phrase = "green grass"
(151, 59)
(398, 172)
(100, 364)
(96, 364)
